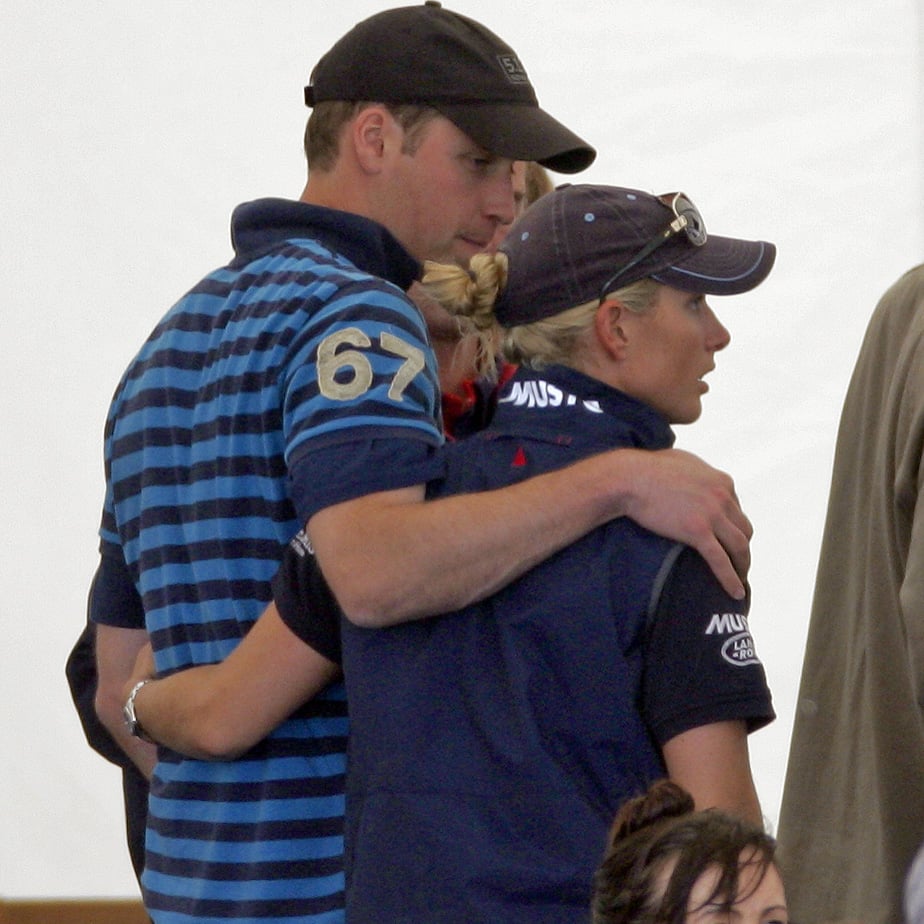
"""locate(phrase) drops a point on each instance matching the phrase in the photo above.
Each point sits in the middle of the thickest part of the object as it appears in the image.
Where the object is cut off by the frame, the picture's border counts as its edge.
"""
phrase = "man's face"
(441, 324)
(447, 200)
(518, 177)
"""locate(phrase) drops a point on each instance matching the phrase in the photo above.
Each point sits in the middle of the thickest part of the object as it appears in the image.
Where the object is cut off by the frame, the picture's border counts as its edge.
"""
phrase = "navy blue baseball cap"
(582, 242)
(430, 56)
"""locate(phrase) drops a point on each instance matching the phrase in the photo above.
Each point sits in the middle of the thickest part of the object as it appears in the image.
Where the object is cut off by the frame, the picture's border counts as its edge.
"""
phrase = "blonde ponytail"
(470, 295)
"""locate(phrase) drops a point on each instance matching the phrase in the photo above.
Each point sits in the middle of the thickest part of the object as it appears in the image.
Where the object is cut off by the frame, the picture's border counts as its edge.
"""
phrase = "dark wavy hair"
(654, 830)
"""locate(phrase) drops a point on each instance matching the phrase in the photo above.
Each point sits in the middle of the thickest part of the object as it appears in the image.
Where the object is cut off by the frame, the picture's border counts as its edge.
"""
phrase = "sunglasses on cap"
(686, 219)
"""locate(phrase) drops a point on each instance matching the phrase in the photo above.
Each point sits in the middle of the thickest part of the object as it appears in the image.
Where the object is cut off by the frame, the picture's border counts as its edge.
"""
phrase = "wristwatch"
(128, 711)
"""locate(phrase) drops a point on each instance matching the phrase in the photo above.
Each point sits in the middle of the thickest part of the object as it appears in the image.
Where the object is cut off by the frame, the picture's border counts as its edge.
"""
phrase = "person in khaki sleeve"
(852, 813)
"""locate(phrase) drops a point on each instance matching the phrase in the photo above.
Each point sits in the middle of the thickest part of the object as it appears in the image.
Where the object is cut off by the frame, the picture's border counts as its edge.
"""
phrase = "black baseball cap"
(431, 56)
(570, 243)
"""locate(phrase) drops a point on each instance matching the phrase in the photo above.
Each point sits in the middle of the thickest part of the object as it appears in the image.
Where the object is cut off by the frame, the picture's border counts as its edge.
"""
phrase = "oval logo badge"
(739, 650)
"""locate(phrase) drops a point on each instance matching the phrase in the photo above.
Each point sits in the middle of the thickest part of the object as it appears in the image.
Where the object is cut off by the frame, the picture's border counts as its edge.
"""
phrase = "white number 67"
(330, 363)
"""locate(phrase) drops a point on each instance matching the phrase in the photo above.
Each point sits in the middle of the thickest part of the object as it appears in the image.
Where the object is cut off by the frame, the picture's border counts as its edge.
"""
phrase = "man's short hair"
(328, 119)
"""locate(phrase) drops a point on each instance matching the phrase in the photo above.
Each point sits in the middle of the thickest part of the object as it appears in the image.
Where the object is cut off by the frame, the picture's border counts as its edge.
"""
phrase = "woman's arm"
(704, 687)
(713, 764)
(116, 651)
(219, 711)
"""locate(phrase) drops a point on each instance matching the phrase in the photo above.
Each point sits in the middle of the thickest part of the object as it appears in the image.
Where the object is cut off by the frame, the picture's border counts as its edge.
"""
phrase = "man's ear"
(368, 132)
(609, 329)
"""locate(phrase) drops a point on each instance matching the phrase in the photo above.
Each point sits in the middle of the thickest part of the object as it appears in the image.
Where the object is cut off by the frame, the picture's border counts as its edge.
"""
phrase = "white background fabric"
(129, 131)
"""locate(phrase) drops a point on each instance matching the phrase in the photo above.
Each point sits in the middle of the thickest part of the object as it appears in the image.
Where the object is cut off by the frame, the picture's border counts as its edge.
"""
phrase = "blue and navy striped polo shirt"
(297, 376)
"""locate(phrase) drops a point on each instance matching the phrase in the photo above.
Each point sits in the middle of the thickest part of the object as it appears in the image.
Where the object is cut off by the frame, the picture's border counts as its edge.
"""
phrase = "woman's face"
(755, 903)
(668, 351)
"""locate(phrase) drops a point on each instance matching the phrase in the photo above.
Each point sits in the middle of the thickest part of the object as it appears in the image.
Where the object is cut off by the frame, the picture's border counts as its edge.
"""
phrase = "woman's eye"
(717, 914)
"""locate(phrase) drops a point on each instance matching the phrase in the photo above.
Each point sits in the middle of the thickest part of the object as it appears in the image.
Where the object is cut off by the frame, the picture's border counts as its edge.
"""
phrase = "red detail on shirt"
(519, 458)
(455, 406)
(505, 374)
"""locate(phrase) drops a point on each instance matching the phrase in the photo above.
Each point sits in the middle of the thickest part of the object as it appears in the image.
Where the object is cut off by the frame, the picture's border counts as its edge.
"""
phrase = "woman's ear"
(609, 328)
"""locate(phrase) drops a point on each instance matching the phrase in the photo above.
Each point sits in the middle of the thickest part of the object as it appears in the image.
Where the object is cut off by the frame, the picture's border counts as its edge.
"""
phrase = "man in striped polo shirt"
(296, 385)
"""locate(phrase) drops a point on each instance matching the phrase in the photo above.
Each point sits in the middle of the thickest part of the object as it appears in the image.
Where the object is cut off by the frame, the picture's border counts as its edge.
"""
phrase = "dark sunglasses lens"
(695, 228)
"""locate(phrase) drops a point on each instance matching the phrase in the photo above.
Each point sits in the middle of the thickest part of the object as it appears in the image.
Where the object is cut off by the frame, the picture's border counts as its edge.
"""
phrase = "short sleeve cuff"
(305, 603)
(344, 471)
(701, 665)
(114, 599)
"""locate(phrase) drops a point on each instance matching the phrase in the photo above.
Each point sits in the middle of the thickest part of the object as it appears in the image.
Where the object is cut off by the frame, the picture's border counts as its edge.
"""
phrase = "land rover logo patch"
(739, 650)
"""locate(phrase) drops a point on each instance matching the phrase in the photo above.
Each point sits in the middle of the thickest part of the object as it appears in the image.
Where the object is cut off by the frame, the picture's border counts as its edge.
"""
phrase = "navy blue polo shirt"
(490, 748)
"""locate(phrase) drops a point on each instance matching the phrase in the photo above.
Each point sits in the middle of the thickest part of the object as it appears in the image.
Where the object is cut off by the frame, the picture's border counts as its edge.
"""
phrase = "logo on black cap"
(514, 70)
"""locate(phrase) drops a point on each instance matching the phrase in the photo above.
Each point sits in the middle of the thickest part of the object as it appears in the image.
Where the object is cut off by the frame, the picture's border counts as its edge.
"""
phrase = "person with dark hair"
(490, 746)
(666, 863)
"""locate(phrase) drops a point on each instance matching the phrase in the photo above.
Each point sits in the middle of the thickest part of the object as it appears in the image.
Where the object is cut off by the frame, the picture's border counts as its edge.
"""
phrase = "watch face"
(128, 710)
(128, 714)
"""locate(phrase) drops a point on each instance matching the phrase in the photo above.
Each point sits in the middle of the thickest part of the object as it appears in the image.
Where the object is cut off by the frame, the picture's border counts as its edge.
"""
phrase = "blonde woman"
(491, 747)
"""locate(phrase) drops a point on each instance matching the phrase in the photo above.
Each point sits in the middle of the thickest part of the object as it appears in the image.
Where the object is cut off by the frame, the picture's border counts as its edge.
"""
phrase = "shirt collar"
(265, 223)
(569, 406)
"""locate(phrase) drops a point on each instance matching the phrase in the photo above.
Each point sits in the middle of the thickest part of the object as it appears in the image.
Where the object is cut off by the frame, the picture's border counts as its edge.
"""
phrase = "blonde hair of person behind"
(471, 295)
(538, 182)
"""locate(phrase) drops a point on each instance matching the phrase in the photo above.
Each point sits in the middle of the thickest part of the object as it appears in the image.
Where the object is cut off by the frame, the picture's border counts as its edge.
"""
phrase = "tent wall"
(131, 130)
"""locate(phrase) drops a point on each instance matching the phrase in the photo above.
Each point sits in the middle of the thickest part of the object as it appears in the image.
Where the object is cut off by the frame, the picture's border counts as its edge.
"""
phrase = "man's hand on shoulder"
(677, 495)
